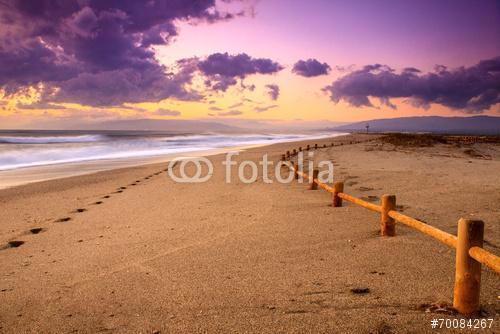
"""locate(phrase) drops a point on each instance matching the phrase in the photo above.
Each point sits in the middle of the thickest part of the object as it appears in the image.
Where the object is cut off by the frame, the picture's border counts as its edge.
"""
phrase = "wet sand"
(131, 251)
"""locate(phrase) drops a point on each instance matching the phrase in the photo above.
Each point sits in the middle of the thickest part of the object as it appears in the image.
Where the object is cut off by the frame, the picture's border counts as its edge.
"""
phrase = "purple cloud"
(40, 106)
(167, 112)
(470, 89)
(310, 68)
(230, 113)
(223, 69)
(273, 91)
(236, 105)
(110, 88)
(86, 47)
(266, 108)
(240, 65)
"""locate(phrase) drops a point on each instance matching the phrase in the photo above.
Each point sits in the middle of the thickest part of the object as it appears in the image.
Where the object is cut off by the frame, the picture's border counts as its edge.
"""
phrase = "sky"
(285, 62)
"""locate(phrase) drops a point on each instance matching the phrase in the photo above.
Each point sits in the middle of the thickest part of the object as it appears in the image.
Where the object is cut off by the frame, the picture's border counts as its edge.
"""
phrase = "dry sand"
(165, 257)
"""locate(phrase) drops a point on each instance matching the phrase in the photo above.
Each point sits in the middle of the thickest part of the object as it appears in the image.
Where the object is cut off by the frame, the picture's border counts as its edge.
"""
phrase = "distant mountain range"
(487, 125)
(199, 126)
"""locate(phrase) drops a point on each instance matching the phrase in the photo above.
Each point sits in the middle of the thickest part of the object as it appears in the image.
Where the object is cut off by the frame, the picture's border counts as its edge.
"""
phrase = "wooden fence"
(468, 243)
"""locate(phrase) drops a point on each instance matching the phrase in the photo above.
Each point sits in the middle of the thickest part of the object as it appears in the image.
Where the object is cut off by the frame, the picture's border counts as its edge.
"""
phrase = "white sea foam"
(28, 151)
(51, 139)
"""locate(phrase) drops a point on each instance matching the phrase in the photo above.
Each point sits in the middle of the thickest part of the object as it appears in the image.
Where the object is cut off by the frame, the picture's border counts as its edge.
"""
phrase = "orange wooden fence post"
(294, 151)
(308, 147)
(296, 171)
(315, 146)
(467, 270)
(283, 158)
(300, 148)
(387, 224)
(288, 154)
(338, 187)
(313, 185)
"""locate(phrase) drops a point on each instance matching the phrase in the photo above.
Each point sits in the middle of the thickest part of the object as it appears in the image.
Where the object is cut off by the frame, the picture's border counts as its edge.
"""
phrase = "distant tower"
(367, 128)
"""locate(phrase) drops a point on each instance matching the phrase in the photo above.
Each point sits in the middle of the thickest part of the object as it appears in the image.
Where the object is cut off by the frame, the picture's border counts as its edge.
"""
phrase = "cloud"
(167, 112)
(214, 108)
(262, 109)
(128, 85)
(273, 91)
(249, 87)
(78, 49)
(240, 65)
(40, 106)
(471, 89)
(236, 105)
(230, 113)
(310, 68)
(222, 69)
(246, 99)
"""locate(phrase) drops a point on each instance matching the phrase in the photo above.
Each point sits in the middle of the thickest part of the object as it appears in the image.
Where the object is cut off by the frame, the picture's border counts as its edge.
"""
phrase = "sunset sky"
(71, 62)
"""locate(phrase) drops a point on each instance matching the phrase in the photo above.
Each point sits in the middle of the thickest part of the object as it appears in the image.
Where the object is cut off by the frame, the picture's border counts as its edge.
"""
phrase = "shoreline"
(28, 175)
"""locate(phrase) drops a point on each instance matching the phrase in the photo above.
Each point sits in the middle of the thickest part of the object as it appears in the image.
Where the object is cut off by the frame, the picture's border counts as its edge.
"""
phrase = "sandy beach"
(132, 251)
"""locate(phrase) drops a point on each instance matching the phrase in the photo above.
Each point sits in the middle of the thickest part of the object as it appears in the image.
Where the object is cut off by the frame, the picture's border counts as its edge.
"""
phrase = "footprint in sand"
(15, 243)
(370, 198)
(80, 210)
(107, 196)
(374, 272)
(98, 203)
(401, 207)
(63, 220)
(118, 192)
(360, 291)
(365, 189)
(296, 312)
(383, 328)
(36, 230)
(439, 307)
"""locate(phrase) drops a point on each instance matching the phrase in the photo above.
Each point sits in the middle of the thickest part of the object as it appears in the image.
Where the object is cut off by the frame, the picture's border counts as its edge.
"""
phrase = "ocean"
(44, 153)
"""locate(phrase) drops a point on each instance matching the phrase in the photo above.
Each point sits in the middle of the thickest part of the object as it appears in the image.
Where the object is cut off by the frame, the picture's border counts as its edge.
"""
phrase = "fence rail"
(483, 256)
(436, 233)
(468, 242)
(360, 202)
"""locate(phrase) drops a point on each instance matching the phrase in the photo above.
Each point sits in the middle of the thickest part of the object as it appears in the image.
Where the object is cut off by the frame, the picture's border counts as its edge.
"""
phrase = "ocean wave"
(33, 158)
(51, 139)
(223, 138)
(55, 150)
